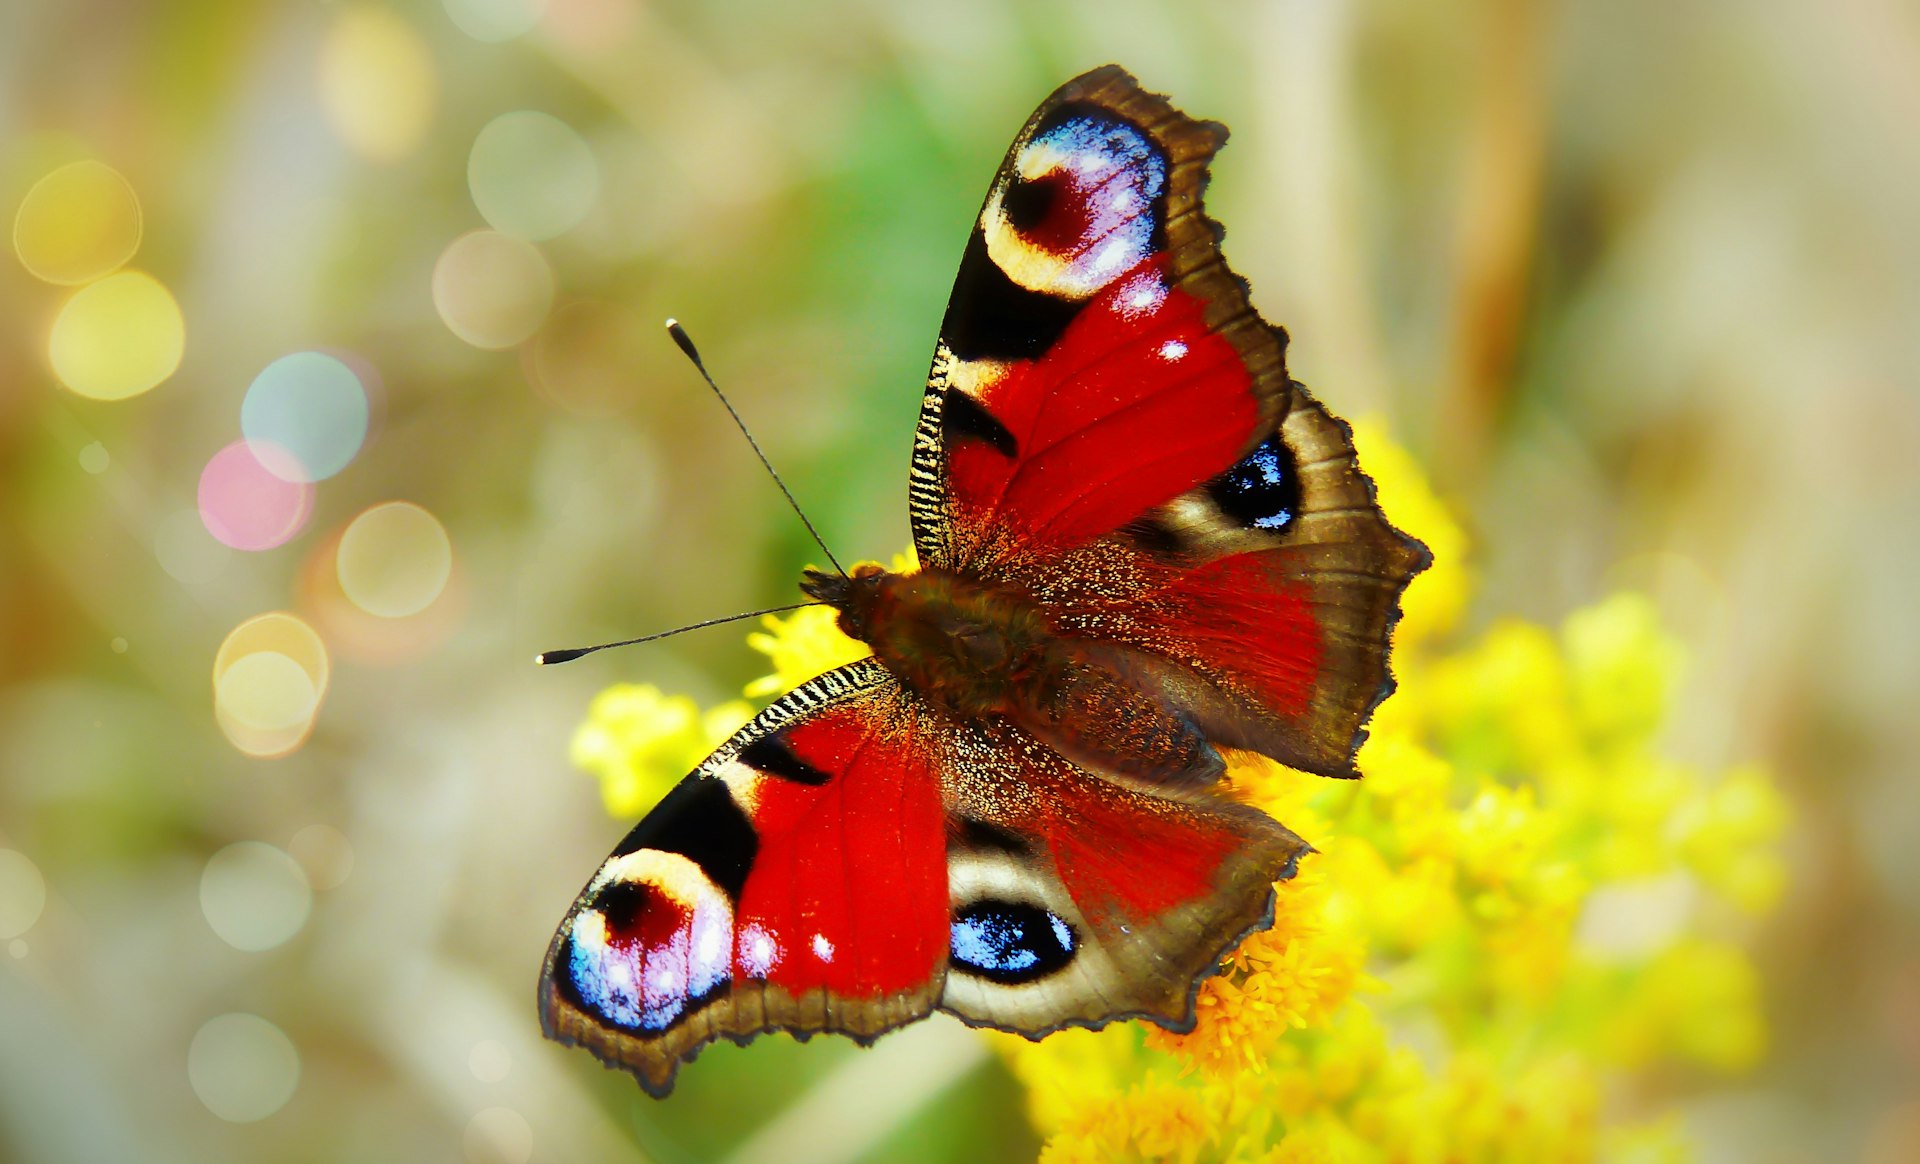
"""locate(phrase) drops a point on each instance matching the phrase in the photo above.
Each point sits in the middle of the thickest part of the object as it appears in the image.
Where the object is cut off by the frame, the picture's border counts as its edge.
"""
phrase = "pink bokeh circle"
(244, 505)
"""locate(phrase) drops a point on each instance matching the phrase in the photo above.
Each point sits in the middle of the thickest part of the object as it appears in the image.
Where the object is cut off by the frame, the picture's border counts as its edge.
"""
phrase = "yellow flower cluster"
(1520, 905)
(639, 742)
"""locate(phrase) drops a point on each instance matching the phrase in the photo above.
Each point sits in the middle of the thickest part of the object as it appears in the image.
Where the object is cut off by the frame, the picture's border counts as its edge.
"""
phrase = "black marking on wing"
(991, 317)
(700, 821)
(563, 977)
(963, 416)
(976, 834)
(1154, 537)
(1263, 490)
(1010, 941)
(1027, 202)
(770, 754)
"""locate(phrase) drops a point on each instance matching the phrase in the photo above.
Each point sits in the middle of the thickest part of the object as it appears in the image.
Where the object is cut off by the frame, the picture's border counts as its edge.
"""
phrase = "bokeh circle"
(306, 416)
(531, 175)
(77, 223)
(492, 290)
(118, 337)
(394, 560)
(254, 896)
(242, 1067)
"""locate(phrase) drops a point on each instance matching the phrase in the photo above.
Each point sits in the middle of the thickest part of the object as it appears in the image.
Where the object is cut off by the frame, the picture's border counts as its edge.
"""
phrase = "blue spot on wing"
(1011, 942)
(1116, 144)
(1263, 490)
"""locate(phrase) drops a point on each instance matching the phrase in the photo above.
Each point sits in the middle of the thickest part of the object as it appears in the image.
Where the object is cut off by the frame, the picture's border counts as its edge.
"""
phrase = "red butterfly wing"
(1109, 425)
(797, 880)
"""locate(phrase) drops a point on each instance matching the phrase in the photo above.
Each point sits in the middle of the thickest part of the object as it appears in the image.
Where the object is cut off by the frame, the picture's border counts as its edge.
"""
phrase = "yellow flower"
(1697, 1000)
(801, 645)
(1291, 975)
(1437, 597)
(1729, 837)
(640, 743)
(809, 641)
(1621, 668)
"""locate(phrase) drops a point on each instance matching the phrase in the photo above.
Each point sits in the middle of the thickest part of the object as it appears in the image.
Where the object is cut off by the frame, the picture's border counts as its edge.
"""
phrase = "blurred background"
(332, 388)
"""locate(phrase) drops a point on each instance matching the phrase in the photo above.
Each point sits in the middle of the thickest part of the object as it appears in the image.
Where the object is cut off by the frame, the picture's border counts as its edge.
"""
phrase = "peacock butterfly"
(1140, 543)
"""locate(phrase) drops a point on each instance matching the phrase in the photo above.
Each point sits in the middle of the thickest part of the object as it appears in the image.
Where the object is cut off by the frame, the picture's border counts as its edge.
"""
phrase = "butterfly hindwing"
(1078, 900)
(1279, 582)
(796, 880)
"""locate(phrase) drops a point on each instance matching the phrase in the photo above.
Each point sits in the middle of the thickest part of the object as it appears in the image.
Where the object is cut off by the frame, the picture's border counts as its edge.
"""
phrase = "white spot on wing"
(757, 951)
(709, 946)
(1111, 256)
(822, 948)
(1141, 295)
(1172, 350)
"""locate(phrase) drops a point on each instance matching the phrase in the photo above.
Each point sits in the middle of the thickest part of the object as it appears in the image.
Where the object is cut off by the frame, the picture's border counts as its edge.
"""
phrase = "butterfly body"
(967, 646)
(1142, 547)
(975, 650)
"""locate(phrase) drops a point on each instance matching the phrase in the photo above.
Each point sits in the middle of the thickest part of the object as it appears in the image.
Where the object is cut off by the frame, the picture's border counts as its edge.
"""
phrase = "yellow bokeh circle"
(269, 678)
(77, 223)
(267, 691)
(394, 560)
(377, 83)
(118, 337)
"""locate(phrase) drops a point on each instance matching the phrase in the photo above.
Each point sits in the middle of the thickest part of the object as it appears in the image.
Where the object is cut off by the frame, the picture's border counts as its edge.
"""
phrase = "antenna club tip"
(685, 343)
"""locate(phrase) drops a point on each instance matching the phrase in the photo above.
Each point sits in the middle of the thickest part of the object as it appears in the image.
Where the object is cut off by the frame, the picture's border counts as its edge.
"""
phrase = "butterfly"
(1140, 545)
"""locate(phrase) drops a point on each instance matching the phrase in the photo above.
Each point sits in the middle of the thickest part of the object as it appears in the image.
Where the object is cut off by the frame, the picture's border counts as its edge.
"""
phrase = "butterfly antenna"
(680, 337)
(548, 658)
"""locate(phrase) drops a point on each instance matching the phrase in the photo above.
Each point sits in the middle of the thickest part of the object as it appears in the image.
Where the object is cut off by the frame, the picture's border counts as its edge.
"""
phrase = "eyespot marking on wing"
(1076, 208)
(656, 942)
(1262, 491)
(1010, 942)
(771, 755)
